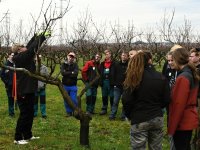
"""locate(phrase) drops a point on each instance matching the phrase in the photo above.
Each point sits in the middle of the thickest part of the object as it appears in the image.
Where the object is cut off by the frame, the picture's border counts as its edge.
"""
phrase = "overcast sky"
(142, 13)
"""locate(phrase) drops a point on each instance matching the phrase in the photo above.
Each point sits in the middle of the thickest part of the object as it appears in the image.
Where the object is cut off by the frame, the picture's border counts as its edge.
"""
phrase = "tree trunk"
(84, 131)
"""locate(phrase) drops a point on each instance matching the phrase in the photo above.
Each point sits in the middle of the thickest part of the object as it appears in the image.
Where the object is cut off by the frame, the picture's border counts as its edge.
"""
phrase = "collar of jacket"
(184, 69)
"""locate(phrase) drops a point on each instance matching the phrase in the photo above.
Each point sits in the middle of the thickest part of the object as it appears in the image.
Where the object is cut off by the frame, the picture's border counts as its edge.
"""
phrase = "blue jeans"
(149, 131)
(72, 91)
(117, 95)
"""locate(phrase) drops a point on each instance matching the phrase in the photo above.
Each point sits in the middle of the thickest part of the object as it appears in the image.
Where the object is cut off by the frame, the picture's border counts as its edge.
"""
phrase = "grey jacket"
(43, 71)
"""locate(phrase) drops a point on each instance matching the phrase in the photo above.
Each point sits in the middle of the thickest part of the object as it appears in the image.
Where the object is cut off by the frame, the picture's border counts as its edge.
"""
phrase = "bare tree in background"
(176, 34)
(50, 18)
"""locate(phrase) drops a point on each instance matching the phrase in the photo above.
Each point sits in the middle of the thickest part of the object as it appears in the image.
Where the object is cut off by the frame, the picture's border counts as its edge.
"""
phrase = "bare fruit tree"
(50, 17)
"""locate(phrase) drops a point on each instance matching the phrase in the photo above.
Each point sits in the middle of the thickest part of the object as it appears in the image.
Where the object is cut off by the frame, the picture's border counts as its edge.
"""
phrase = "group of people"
(145, 92)
(109, 74)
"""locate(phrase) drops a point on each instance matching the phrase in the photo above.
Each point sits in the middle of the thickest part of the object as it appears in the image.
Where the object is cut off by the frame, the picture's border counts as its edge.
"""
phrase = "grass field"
(61, 133)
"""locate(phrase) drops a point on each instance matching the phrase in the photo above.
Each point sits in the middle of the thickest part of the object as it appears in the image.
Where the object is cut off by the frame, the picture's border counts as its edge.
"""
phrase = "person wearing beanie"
(26, 87)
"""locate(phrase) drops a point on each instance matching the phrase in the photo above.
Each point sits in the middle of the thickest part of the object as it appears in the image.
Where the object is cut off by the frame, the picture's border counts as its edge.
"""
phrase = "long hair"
(135, 70)
(181, 57)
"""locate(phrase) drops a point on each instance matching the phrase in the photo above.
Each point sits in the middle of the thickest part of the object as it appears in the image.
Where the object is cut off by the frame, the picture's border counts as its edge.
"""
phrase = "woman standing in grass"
(146, 93)
(7, 78)
(183, 117)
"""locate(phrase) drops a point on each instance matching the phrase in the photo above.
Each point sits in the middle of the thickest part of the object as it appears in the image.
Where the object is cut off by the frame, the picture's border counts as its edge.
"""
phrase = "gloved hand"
(46, 34)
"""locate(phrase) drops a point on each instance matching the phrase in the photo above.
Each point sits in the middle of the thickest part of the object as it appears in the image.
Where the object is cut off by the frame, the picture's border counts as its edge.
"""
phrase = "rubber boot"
(88, 104)
(43, 106)
(93, 104)
(105, 105)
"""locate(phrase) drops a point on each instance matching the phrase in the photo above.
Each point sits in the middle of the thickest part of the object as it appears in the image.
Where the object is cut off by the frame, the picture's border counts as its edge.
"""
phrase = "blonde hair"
(16, 46)
(176, 46)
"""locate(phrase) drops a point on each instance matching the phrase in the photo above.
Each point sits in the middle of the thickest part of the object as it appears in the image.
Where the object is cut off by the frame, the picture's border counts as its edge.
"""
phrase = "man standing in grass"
(89, 73)
(69, 71)
(119, 77)
(26, 87)
(107, 73)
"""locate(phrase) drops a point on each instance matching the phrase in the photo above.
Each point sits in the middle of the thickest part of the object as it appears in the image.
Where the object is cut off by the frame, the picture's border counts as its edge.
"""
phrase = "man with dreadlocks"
(143, 102)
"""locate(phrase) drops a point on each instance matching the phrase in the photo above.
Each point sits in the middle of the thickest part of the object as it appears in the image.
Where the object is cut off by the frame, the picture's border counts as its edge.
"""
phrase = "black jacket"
(146, 101)
(25, 83)
(170, 74)
(7, 75)
(119, 73)
(198, 69)
(69, 73)
(109, 76)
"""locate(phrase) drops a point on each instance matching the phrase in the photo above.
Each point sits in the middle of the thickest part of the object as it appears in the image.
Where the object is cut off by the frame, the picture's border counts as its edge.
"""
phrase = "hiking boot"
(69, 114)
(124, 119)
(12, 115)
(44, 117)
(88, 113)
(111, 118)
(103, 112)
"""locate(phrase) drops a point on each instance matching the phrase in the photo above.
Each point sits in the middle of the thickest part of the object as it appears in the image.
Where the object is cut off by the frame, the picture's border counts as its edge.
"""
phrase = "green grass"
(61, 133)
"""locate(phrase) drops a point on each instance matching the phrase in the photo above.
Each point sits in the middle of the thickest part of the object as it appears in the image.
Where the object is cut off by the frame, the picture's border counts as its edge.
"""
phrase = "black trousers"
(25, 120)
(182, 139)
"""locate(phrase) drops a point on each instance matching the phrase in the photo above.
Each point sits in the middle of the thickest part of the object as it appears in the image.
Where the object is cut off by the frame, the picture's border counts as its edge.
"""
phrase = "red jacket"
(85, 69)
(182, 109)
(89, 71)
